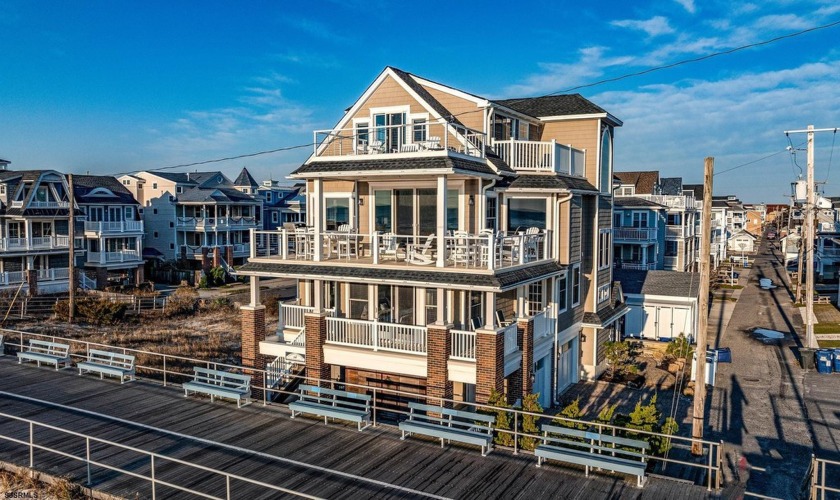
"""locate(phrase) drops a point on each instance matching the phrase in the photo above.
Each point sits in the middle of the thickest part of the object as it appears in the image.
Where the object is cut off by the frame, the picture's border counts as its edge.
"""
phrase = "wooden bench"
(594, 451)
(217, 383)
(108, 363)
(42, 351)
(822, 299)
(332, 403)
(452, 425)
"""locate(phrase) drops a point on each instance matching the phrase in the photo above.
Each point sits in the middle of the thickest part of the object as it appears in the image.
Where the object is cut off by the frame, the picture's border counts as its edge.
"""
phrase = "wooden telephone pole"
(71, 233)
(703, 310)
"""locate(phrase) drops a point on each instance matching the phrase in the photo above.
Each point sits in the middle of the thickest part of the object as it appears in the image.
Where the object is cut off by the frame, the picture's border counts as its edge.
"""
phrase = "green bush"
(572, 410)
(621, 358)
(202, 283)
(663, 444)
(680, 347)
(499, 400)
(529, 422)
(605, 416)
(218, 275)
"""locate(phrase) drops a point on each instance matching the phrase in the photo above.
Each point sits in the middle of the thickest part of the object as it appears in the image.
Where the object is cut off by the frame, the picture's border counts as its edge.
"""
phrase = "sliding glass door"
(413, 212)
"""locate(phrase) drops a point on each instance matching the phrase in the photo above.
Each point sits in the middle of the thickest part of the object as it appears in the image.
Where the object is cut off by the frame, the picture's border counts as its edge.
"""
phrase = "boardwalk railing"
(95, 445)
(824, 484)
(388, 403)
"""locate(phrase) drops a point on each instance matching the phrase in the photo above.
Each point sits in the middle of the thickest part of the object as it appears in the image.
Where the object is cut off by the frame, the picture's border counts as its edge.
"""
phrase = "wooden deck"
(263, 443)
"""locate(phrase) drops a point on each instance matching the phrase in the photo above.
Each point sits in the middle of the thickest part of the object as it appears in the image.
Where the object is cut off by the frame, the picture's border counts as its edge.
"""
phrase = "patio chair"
(409, 148)
(388, 246)
(376, 147)
(303, 243)
(460, 253)
(433, 142)
(421, 254)
(500, 318)
(347, 241)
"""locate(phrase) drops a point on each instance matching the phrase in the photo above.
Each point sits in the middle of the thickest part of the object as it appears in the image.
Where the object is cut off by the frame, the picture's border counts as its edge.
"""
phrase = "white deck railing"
(638, 266)
(122, 226)
(35, 243)
(634, 233)
(376, 335)
(541, 156)
(113, 257)
(42, 204)
(544, 323)
(462, 345)
(56, 273)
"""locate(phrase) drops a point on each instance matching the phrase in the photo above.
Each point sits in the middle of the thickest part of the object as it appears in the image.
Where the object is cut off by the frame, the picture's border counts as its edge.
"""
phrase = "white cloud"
(688, 5)
(655, 26)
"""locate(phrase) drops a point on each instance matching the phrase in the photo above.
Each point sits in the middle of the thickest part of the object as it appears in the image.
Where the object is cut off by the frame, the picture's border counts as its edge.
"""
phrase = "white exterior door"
(682, 322)
(635, 321)
(666, 323)
(567, 363)
(542, 381)
(650, 319)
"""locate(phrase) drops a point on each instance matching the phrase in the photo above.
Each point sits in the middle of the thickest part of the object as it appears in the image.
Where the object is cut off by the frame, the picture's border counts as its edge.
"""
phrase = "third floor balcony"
(99, 228)
(634, 234)
(215, 223)
(36, 243)
(541, 156)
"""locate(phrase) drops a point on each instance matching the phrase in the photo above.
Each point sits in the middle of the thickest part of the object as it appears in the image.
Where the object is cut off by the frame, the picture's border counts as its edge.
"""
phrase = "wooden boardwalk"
(263, 443)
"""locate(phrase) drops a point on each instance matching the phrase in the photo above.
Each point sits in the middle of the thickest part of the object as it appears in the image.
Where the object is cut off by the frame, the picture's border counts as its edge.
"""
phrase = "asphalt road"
(770, 413)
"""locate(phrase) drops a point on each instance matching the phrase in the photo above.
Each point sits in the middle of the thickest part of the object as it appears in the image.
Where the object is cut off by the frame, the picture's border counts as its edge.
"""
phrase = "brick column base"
(489, 363)
(316, 335)
(32, 281)
(101, 278)
(438, 385)
(139, 275)
(253, 332)
(217, 257)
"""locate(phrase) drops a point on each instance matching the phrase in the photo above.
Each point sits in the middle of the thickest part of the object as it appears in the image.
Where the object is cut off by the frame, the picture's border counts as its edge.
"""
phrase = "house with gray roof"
(663, 304)
(283, 203)
(202, 219)
(113, 231)
(455, 245)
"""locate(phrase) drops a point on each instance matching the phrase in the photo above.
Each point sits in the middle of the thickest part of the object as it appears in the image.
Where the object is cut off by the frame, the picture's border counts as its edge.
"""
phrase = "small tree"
(605, 416)
(530, 403)
(680, 347)
(621, 357)
(571, 411)
(670, 427)
(499, 400)
(218, 274)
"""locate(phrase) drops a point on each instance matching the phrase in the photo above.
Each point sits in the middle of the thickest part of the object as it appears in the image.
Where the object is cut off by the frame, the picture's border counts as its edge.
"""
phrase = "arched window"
(606, 161)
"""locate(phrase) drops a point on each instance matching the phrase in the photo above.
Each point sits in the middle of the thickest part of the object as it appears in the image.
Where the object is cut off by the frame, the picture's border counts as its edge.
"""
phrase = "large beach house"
(455, 245)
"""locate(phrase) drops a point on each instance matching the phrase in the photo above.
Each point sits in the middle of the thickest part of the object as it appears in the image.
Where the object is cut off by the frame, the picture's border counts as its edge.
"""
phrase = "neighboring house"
(663, 304)
(638, 233)
(678, 250)
(789, 246)
(113, 230)
(282, 204)
(201, 218)
(456, 246)
(34, 231)
(741, 242)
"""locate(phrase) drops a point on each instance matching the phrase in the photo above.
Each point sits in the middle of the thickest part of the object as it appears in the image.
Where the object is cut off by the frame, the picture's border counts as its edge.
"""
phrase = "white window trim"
(561, 308)
(576, 271)
(604, 247)
(339, 195)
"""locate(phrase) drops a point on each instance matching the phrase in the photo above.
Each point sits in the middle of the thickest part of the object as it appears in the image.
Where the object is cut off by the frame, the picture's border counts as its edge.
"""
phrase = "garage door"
(567, 364)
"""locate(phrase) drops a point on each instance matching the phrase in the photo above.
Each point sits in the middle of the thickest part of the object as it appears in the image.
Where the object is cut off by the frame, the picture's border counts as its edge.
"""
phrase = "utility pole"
(71, 233)
(703, 310)
(808, 251)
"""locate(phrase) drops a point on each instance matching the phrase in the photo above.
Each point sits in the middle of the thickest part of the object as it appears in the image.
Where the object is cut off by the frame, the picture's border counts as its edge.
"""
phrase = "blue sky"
(109, 87)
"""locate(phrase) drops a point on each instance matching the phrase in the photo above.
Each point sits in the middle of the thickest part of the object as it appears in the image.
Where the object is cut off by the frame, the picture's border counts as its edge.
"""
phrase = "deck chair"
(388, 246)
(303, 243)
(347, 241)
(421, 254)
(532, 238)
(376, 147)
(500, 318)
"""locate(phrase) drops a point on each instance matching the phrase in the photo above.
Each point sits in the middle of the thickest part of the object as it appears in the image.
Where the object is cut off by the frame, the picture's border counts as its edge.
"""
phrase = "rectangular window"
(358, 298)
(154, 185)
(535, 298)
(274, 217)
(452, 210)
(490, 212)
(604, 246)
(427, 204)
(617, 219)
(603, 293)
(382, 210)
(419, 130)
(640, 219)
(526, 212)
(674, 219)
(362, 133)
(670, 248)
(405, 305)
(431, 305)
(562, 295)
(337, 213)
(576, 285)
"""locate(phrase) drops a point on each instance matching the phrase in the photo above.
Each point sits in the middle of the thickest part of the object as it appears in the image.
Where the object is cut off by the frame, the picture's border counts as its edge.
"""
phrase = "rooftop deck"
(262, 443)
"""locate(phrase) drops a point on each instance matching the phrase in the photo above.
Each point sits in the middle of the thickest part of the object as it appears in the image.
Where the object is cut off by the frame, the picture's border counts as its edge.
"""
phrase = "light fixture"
(361, 201)
(472, 200)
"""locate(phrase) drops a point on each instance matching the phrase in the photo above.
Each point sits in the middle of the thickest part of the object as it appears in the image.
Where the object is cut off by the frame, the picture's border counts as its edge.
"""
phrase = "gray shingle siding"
(575, 214)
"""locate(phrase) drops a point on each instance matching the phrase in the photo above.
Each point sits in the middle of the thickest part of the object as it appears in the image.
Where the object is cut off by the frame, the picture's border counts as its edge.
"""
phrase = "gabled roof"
(645, 182)
(84, 186)
(633, 202)
(554, 105)
(424, 94)
(697, 188)
(214, 195)
(245, 180)
(671, 185)
(743, 231)
(668, 283)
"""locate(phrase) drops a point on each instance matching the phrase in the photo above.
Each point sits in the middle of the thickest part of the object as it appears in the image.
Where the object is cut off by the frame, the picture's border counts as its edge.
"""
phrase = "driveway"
(762, 402)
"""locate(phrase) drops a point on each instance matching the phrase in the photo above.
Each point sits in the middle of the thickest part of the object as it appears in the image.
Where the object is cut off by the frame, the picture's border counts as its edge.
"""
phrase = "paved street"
(770, 413)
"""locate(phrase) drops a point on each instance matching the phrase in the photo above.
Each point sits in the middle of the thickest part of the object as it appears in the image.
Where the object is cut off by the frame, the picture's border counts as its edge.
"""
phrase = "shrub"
(182, 301)
(218, 304)
(499, 400)
(621, 358)
(529, 422)
(680, 347)
(202, 283)
(663, 444)
(218, 275)
(93, 310)
(572, 410)
(605, 416)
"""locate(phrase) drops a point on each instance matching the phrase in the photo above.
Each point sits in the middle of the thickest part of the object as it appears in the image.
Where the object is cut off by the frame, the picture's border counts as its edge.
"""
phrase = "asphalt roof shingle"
(668, 283)
(633, 202)
(554, 105)
(645, 182)
(417, 163)
(552, 182)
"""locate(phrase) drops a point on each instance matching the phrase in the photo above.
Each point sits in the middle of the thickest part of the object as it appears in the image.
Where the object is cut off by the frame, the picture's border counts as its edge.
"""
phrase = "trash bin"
(824, 361)
(724, 355)
(807, 358)
(837, 361)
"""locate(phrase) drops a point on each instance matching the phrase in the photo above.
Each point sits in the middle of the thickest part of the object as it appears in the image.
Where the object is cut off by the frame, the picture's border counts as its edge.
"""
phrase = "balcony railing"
(670, 201)
(205, 223)
(18, 277)
(634, 233)
(42, 204)
(12, 278)
(36, 243)
(678, 231)
(106, 227)
(638, 266)
(463, 345)
(376, 335)
(412, 139)
(113, 257)
(541, 156)
(544, 323)
(483, 251)
(239, 249)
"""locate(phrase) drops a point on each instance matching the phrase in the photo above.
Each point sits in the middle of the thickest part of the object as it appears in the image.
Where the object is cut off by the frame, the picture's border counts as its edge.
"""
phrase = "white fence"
(376, 335)
(541, 156)
(462, 345)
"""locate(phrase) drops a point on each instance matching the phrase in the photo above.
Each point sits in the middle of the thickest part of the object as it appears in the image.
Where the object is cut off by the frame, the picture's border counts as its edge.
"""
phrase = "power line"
(753, 161)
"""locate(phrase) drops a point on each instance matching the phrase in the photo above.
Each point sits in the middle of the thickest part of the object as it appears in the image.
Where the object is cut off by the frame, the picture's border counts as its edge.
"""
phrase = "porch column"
(315, 330)
(520, 302)
(489, 310)
(317, 218)
(318, 295)
(440, 310)
(253, 332)
(644, 254)
(438, 348)
(255, 291)
(489, 363)
(522, 383)
(441, 220)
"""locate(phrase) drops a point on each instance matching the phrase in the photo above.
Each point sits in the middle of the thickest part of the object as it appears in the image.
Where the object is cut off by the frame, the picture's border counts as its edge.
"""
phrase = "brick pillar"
(217, 257)
(32, 281)
(253, 332)
(229, 254)
(101, 278)
(525, 335)
(139, 275)
(438, 345)
(206, 264)
(489, 363)
(316, 335)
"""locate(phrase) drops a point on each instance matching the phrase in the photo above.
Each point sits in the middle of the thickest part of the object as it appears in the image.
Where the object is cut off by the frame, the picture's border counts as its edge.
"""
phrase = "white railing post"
(281, 323)
(546, 244)
(491, 251)
(253, 235)
(375, 335)
(284, 245)
(521, 243)
(87, 458)
(31, 443)
(374, 247)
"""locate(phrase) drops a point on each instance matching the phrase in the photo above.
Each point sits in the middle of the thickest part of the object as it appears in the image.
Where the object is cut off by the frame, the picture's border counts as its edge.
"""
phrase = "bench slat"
(314, 400)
